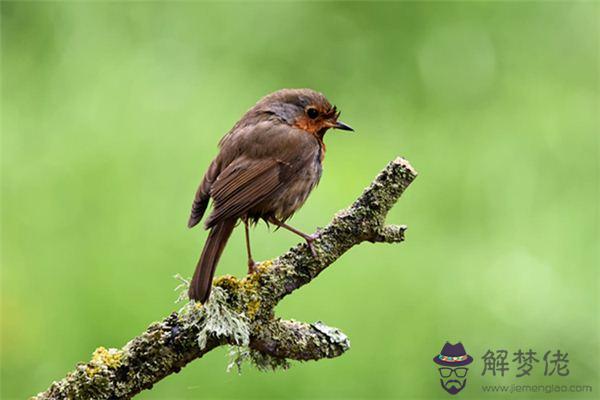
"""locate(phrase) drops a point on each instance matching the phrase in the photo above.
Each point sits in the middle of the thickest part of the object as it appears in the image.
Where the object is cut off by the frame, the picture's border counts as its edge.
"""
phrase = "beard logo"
(452, 362)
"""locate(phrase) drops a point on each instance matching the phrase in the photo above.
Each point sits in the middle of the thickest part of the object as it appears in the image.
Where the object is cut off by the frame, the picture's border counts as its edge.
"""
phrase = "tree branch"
(240, 312)
(299, 341)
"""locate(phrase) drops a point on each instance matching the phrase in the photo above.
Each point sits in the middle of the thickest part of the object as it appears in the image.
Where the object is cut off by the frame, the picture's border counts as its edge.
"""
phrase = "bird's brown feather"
(205, 269)
(203, 194)
(241, 186)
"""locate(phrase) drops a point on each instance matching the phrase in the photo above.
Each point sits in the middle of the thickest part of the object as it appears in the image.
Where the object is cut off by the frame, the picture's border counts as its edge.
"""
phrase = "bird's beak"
(342, 126)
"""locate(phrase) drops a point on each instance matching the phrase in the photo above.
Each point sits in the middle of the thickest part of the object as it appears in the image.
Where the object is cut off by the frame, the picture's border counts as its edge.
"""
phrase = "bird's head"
(304, 109)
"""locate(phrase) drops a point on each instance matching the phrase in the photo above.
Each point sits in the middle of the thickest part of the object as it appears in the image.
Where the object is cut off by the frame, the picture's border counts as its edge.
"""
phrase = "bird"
(266, 167)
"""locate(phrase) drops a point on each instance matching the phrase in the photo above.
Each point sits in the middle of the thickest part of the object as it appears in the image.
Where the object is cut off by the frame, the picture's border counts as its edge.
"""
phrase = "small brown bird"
(268, 164)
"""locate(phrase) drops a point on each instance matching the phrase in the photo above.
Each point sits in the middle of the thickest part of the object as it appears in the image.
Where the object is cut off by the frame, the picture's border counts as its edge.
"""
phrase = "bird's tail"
(205, 270)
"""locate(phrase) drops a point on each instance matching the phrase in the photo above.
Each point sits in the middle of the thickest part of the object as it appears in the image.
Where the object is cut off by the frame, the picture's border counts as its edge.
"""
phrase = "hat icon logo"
(452, 361)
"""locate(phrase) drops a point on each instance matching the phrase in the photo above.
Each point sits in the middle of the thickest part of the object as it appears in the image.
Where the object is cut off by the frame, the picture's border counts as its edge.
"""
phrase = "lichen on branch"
(240, 312)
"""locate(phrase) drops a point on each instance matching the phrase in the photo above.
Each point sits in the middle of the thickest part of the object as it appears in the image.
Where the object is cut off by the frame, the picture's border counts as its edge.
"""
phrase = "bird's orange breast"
(313, 128)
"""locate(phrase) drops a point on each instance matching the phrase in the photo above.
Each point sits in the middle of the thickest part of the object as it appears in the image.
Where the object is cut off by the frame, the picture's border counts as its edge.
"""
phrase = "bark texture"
(240, 311)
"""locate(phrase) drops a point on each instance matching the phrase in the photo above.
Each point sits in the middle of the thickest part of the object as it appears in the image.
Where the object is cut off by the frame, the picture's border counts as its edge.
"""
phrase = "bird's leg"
(251, 263)
(309, 238)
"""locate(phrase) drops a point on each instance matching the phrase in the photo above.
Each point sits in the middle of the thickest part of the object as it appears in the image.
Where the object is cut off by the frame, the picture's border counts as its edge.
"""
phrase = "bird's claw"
(310, 243)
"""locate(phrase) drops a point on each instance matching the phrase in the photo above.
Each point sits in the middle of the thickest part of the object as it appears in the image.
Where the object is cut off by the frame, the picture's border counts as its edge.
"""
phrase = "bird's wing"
(249, 138)
(242, 185)
(203, 194)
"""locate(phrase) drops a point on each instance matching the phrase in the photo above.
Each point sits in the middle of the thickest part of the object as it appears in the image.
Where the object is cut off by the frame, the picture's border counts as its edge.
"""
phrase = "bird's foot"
(310, 239)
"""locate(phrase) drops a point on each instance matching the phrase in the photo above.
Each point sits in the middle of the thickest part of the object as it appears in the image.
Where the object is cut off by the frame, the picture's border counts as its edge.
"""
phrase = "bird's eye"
(312, 113)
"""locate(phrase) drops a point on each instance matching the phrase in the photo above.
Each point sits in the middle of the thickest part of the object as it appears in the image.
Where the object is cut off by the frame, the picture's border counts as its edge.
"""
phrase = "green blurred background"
(112, 111)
